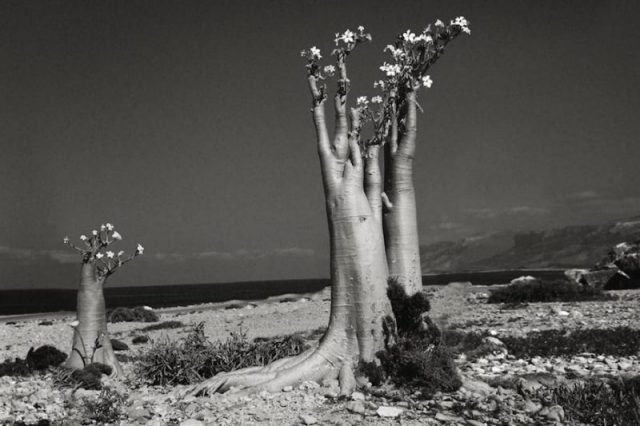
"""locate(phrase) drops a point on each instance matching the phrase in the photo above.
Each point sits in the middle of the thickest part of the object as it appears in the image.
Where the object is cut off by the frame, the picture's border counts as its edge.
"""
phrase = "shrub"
(417, 359)
(598, 403)
(195, 358)
(163, 326)
(44, 357)
(119, 345)
(620, 341)
(137, 314)
(140, 339)
(107, 408)
(39, 359)
(547, 291)
(18, 367)
(89, 376)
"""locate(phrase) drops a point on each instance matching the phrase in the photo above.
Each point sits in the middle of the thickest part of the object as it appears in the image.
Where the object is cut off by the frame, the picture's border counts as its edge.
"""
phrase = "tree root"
(316, 365)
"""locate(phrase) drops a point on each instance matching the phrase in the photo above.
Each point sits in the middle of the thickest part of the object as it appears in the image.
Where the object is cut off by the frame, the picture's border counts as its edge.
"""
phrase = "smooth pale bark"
(400, 217)
(91, 341)
(359, 302)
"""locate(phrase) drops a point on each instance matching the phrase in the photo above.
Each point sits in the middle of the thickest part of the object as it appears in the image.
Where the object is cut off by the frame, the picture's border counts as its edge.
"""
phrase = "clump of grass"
(107, 408)
(195, 358)
(547, 291)
(620, 341)
(40, 359)
(136, 314)
(163, 326)
(89, 376)
(416, 357)
(119, 345)
(598, 403)
(140, 339)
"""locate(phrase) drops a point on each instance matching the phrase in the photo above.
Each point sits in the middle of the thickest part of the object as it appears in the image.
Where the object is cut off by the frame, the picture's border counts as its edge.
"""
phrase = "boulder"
(575, 275)
(598, 279)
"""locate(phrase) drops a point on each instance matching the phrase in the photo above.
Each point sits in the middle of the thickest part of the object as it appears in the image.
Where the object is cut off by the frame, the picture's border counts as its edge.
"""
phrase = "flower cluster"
(413, 54)
(94, 249)
(348, 40)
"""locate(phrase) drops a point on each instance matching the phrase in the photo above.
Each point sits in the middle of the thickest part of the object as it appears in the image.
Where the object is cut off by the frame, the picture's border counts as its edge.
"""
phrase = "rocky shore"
(484, 399)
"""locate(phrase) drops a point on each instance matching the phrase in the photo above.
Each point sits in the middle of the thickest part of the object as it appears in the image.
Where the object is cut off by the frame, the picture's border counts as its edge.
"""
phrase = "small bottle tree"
(91, 341)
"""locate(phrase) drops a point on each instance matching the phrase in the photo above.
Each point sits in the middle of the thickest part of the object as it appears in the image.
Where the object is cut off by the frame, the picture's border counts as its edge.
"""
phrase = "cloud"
(446, 225)
(487, 213)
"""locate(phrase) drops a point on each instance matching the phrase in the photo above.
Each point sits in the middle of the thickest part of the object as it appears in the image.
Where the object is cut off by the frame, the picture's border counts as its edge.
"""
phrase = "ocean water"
(13, 302)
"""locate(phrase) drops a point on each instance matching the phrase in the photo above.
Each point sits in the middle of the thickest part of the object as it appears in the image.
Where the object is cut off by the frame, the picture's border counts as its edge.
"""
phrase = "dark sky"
(187, 125)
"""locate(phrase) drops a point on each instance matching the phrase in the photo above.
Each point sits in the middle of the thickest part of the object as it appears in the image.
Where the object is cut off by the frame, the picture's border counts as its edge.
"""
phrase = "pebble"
(385, 411)
(356, 407)
(308, 420)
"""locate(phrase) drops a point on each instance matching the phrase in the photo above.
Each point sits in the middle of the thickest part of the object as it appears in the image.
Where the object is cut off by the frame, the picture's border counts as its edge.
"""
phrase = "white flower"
(116, 235)
(425, 38)
(409, 36)
(303, 53)
(94, 232)
(378, 83)
(315, 53)
(361, 28)
(110, 254)
(391, 70)
(426, 81)
(376, 100)
(329, 70)
(120, 253)
(439, 23)
(99, 255)
(83, 237)
(74, 324)
(139, 249)
(102, 227)
(65, 240)
(397, 53)
(348, 37)
(461, 22)
(362, 101)
(109, 226)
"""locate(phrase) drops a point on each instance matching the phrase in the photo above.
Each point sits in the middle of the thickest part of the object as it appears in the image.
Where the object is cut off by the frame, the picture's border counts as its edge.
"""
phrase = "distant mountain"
(571, 246)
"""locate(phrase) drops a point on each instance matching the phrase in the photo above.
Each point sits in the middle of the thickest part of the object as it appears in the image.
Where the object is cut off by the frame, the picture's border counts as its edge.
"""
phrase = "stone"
(392, 412)
(554, 413)
(575, 275)
(192, 422)
(308, 420)
(287, 389)
(531, 407)
(138, 413)
(598, 279)
(357, 396)
(356, 407)
(448, 418)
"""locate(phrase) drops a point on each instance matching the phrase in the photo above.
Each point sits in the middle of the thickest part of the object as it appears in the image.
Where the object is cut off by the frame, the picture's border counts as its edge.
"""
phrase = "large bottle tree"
(91, 342)
(360, 317)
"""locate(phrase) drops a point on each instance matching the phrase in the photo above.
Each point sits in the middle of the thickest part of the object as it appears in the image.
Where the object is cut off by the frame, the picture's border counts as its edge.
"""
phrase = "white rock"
(384, 411)
(357, 396)
(308, 420)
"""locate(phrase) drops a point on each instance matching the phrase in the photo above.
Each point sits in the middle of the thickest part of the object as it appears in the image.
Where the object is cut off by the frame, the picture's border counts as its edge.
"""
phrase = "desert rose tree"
(359, 304)
(91, 341)
(396, 128)
(360, 317)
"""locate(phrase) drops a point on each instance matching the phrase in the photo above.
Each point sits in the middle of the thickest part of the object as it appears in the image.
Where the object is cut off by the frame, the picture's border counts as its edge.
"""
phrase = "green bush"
(140, 339)
(89, 376)
(195, 358)
(547, 291)
(163, 326)
(40, 359)
(620, 341)
(119, 345)
(107, 408)
(598, 403)
(416, 358)
(137, 314)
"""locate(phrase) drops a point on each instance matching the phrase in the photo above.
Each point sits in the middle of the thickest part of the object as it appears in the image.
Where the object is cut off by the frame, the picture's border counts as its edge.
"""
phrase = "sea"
(17, 302)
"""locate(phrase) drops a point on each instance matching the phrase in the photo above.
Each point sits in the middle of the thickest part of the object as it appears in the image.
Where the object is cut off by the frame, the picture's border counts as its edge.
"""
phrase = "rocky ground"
(481, 401)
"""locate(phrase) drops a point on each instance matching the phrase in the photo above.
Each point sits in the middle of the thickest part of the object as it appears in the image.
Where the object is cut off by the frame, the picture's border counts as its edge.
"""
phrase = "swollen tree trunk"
(91, 341)
(400, 217)
(359, 302)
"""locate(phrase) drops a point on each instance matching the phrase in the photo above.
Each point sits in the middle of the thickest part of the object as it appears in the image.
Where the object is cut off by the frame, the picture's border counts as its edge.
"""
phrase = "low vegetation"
(136, 314)
(598, 403)
(417, 359)
(107, 408)
(165, 325)
(195, 358)
(36, 360)
(547, 291)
